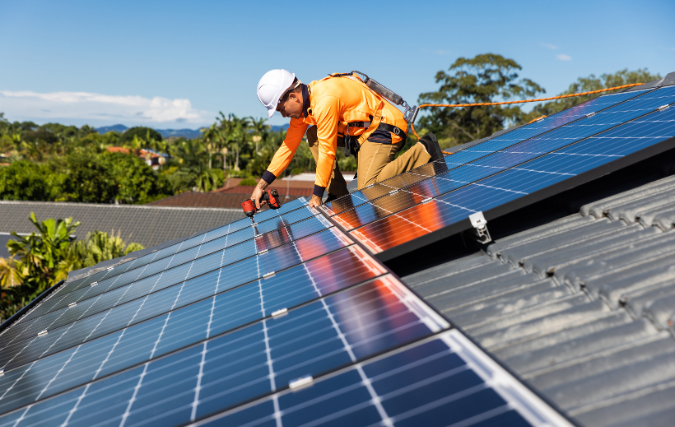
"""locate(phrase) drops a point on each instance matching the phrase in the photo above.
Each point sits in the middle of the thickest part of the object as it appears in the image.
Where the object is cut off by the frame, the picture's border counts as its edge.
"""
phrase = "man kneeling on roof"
(342, 111)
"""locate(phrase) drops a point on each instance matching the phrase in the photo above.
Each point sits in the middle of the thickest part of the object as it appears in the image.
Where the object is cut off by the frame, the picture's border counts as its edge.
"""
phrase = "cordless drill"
(269, 196)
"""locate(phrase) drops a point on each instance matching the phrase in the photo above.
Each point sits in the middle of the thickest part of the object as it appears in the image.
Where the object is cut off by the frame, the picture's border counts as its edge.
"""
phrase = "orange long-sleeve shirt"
(330, 103)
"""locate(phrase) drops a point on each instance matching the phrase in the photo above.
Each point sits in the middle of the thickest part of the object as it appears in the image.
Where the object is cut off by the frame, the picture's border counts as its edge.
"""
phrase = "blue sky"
(171, 64)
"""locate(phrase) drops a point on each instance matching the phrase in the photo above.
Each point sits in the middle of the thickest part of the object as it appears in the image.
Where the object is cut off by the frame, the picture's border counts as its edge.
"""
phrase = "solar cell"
(246, 363)
(440, 381)
(30, 348)
(218, 309)
(507, 158)
(475, 152)
(646, 133)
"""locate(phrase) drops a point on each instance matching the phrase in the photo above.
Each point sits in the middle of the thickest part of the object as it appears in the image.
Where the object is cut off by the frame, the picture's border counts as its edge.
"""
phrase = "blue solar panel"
(249, 362)
(547, 124)
(569, 159)
(480, 150)
(220, 249)
(501, 160)
(241, 230)
(28, 348)
(218, 309)
(434, 383)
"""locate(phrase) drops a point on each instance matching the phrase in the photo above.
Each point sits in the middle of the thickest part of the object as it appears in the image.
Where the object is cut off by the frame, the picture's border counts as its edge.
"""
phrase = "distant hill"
(113, 128)
(168, 133)
(278, 128)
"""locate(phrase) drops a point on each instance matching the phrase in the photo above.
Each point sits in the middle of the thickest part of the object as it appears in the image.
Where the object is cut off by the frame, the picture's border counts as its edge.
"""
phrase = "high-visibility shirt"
(329, 104)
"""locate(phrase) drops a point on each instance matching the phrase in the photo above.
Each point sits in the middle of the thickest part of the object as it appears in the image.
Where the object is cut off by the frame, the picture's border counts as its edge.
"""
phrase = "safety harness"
(376, 129)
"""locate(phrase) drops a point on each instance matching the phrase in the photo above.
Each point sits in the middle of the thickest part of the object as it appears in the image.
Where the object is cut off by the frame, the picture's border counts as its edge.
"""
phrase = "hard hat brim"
(270, 112)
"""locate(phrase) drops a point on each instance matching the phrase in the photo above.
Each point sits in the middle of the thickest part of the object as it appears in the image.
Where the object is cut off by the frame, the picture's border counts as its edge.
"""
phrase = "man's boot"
(431, 145)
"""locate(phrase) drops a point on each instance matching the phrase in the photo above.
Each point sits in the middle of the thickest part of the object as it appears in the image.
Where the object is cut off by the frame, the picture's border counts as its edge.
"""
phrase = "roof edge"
(113, 206)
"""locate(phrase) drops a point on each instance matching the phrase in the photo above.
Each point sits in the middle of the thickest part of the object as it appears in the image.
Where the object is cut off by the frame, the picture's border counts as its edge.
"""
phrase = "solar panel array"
(241, 316)
(394, 216)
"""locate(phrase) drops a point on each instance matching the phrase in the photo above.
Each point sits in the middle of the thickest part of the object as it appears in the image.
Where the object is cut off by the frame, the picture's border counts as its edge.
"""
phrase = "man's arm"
(282, 158)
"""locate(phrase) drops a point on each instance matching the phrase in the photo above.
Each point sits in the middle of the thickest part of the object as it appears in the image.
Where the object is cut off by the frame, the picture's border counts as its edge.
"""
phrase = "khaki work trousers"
(375, 162)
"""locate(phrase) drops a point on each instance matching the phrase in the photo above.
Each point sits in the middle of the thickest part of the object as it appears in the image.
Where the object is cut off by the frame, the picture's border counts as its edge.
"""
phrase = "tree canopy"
(139, 132)
(483, 78)
(591, 83)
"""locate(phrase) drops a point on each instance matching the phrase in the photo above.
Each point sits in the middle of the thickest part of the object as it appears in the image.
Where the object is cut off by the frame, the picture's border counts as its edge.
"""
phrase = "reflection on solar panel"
(246, 324)
(497, 182)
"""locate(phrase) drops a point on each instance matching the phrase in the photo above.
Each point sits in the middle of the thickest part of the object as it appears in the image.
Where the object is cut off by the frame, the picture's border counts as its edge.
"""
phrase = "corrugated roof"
(582, 308)
(147, 225)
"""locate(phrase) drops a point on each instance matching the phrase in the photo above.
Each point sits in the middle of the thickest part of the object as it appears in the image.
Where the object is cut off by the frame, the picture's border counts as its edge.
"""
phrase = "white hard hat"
(271, 86)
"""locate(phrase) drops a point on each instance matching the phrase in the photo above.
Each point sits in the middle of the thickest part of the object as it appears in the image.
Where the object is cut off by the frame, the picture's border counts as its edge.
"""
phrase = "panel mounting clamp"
(301, 382)
(479, 224)
(280, 312)
(663, 107)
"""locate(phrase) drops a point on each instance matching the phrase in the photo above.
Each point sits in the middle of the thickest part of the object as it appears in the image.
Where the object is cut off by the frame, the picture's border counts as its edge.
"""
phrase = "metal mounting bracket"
(410, 113)
(480, 231)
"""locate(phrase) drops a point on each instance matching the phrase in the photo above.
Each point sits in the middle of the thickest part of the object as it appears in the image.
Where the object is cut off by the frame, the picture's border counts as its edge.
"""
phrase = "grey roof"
(582, 308)
(147, 225)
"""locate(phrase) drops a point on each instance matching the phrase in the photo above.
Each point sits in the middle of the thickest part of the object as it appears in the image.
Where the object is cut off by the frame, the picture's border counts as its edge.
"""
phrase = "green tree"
(213, 138)
(84, 177)
(136, 181)
(209, 180)
(98, 247)
(24, 180)
(481, 79)
(591, 83)
(40, 259)
(145, 133)
(235, 131)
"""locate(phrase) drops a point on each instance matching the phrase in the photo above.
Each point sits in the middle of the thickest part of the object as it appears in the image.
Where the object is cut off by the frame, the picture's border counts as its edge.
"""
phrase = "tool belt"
(381, 134)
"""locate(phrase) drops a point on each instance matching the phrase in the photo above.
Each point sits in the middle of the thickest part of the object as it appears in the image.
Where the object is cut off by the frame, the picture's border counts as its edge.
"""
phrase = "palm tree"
(235, 132)
(10, 273)
(260, 131)
(98, 247)
(213, 138)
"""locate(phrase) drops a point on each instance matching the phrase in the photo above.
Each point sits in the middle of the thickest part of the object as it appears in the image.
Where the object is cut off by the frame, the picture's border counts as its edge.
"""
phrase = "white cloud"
(97, 107)
(441, 52)
(549, 46)
(563, 57)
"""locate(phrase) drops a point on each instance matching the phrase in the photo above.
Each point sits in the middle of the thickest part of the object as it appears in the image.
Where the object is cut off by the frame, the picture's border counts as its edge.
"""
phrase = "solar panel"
(566, 157)
(502, 160)
(219, 248)
(440, 381)
(248, 362)
(480, 150)
(219, 238)
(27, 348)
(211, 307)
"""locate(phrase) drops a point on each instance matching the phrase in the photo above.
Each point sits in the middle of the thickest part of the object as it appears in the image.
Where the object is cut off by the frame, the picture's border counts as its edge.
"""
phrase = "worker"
(342, 112)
